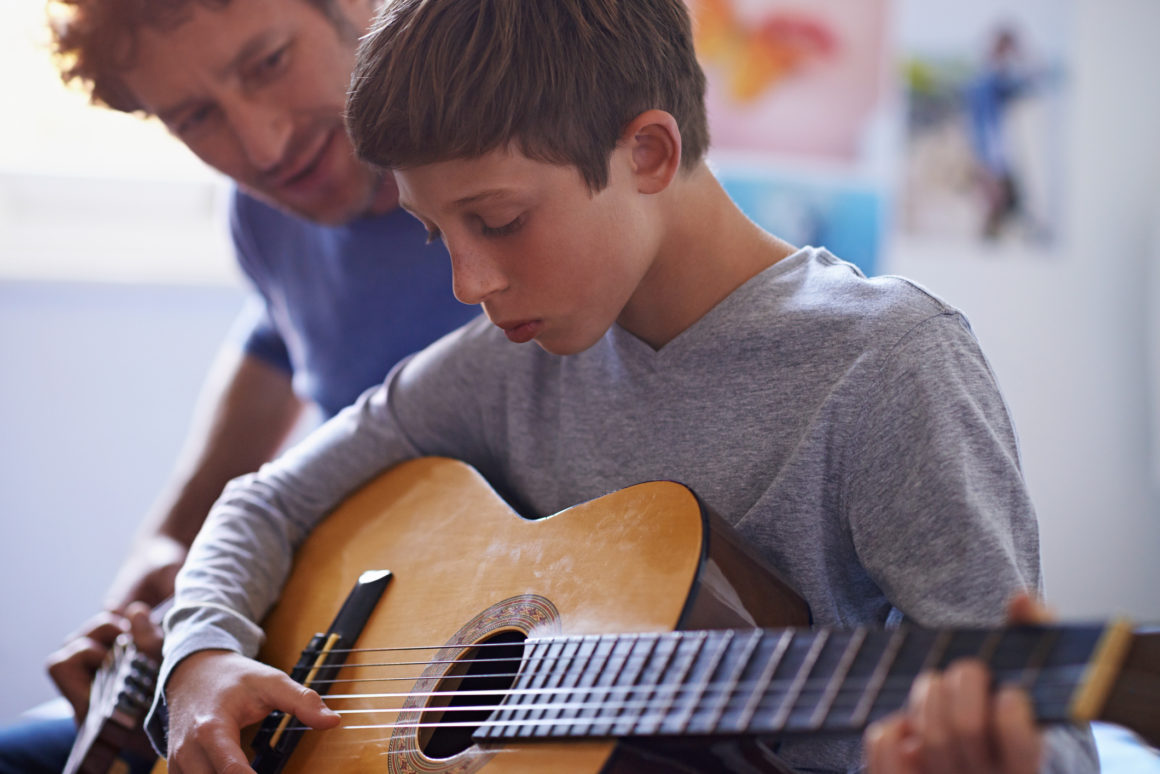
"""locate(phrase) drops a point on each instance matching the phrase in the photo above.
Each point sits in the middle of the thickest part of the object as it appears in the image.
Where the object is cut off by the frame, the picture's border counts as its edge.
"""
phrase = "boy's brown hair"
(95, 41)
(444, 79)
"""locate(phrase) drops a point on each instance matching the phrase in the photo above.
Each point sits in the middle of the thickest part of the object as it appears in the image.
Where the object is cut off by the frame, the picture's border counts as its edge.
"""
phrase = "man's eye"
(270, 65)
(193, 120)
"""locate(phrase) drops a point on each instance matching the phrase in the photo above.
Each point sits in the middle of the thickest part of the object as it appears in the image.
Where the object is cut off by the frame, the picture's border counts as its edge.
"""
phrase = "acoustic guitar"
(633, 633)
(118, 700)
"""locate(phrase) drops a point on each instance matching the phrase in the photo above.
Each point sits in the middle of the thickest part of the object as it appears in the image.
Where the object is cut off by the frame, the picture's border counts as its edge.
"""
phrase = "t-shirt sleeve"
(255, 329)
(257, 335)
(936, 502)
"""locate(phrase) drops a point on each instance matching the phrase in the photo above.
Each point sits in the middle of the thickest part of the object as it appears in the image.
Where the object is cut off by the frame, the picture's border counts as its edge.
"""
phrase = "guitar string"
(891, 693)
(1062, 677)
(892, 696)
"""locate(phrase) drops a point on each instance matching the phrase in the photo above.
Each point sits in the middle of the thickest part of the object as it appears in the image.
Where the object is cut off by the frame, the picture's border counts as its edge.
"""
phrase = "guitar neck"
(798, 681)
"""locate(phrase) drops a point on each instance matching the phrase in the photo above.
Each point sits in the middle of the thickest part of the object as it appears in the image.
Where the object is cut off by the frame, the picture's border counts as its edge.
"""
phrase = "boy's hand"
(213, 694)
(954, 723)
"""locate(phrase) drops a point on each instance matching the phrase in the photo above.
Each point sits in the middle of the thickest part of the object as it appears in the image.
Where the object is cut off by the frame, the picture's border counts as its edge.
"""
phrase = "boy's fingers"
(1025, 608)
(226, 756)
(306, 705)
(884, 744)
(968, 687)
(930, 718)
(1019, 741)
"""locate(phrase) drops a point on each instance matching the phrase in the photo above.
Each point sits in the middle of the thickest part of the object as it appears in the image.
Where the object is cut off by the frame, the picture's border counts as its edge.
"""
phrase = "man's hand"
(148, 574)
(954, 723)
(213, 694)
(73, 666)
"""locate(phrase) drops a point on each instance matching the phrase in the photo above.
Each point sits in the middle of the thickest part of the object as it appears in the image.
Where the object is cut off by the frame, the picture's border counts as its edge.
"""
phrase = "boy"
(849, 429)
(344, 284)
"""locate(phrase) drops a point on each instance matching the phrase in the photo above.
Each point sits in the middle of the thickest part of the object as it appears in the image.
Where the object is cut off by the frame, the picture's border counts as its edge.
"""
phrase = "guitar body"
(466, 568)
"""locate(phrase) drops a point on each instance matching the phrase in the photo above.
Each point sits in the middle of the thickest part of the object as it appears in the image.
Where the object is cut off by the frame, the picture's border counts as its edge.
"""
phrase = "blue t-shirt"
(338, 306)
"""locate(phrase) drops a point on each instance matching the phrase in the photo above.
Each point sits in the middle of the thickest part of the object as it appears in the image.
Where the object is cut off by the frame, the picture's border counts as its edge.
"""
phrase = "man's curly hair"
(94, 42)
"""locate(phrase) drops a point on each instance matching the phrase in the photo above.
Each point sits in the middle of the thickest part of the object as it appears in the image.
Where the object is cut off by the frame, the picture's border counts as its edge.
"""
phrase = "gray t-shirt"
(849, 428)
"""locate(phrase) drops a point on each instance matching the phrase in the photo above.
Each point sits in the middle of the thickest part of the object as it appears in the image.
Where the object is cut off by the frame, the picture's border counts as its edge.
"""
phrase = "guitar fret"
(571, 703)
(527, 723)
(689, 645)
(634, 701)
(763, 682)
(692, 700)
(608, 711)
(674, 718)
(602, 647)
(550, 708)
(1038, 659)
(878, 678)
(937, 649)
(509, 722)
(799, 682)
(657, 705)
(839, 677)
(727, 692)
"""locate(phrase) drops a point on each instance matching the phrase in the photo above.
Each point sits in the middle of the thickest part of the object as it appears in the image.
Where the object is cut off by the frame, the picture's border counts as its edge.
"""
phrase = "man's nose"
(264, 133)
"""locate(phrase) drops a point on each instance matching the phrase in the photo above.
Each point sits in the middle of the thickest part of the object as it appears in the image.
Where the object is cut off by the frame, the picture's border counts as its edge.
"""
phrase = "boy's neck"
(710, 248)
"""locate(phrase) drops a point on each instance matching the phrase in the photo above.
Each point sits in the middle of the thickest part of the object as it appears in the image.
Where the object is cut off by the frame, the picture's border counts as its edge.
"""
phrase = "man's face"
(257, 89)
(548, 260)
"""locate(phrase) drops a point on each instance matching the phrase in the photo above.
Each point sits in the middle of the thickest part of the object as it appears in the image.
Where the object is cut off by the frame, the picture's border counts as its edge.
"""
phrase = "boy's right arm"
(213, 694)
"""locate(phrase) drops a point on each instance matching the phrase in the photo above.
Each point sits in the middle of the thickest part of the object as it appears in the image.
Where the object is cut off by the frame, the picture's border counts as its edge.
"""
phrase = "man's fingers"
(147, 635)
(72, 668)
(104, 627)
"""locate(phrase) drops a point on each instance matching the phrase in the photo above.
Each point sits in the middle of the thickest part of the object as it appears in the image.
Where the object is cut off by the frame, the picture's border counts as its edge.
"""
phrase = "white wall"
(96, 386)
(1068, 333)
(97, 381)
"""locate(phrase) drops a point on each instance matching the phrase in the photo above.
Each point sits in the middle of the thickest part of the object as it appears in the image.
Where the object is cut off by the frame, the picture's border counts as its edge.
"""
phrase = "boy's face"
(257, 89)
(548, 260)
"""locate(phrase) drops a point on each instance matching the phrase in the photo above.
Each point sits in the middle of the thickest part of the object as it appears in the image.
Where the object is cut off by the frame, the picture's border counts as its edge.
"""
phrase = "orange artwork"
(791, 77)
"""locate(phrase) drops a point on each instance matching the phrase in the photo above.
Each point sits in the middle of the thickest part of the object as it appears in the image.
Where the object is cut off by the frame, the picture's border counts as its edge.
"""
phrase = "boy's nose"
(475, 275)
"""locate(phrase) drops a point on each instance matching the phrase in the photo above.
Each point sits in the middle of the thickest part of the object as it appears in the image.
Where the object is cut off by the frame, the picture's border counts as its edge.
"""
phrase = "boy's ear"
(654, 143)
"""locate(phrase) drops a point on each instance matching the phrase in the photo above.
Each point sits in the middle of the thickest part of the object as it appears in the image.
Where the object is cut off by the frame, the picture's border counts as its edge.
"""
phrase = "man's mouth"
(306, 164)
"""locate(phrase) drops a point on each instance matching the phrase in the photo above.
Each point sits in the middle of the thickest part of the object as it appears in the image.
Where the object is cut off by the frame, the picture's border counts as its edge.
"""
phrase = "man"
(345, 282)
(638, 327)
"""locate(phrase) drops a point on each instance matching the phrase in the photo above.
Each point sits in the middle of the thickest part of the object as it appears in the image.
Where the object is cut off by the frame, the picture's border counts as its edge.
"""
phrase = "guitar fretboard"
(767, 682)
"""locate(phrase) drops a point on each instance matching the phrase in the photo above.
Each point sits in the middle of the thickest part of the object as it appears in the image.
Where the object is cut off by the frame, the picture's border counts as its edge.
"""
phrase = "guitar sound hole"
(490, 668)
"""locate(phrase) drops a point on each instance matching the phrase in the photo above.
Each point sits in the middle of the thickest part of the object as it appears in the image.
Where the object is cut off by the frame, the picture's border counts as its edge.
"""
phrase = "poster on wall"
(985, 88)
(795, 94)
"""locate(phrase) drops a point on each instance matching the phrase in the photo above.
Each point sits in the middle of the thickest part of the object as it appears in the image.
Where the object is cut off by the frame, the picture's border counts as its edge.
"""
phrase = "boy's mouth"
(521, 331)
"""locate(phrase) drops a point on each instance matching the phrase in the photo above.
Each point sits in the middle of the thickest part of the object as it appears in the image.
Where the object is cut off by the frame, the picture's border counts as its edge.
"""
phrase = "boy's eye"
(504, 230)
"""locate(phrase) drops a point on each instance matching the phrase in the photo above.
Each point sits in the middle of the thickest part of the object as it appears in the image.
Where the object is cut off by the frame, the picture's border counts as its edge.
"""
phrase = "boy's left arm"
(943, 522)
